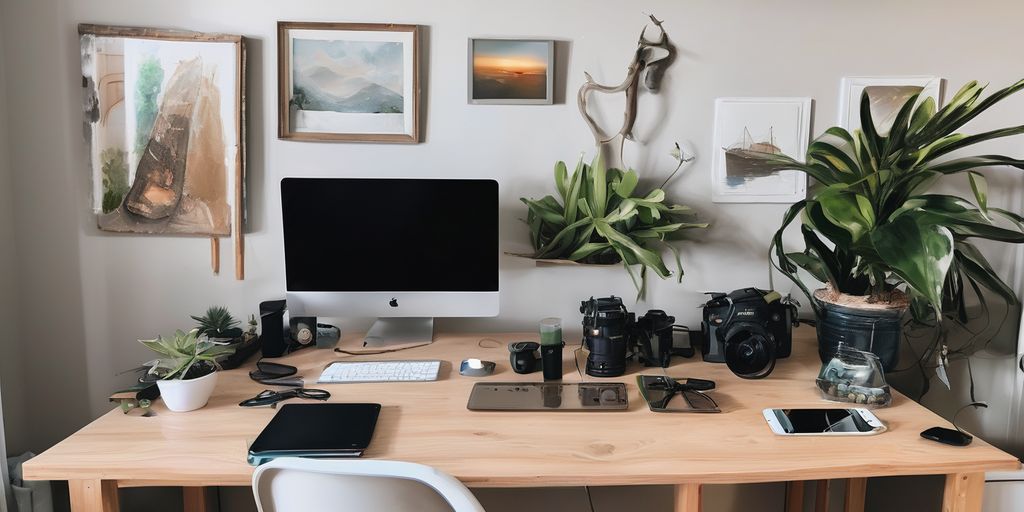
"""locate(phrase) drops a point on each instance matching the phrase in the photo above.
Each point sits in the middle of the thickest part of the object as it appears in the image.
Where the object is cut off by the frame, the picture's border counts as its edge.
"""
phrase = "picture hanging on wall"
(886, 94)
(348, 82)
(164, 118)
(744, 126)
(511, 71)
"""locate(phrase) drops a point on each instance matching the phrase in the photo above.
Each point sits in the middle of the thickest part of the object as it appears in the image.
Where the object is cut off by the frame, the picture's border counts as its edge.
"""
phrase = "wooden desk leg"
(795, 496)
(93, 495)
(963, 492)
(687, 498)
(821, 496)
(199, 499)
(856, 490)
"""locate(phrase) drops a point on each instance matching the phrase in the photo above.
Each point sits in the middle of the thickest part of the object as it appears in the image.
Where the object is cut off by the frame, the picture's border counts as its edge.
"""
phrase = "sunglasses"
(659, 391)
(270, 397)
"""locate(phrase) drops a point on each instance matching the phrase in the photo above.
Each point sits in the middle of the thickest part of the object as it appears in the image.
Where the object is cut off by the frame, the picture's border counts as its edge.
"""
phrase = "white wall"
(85, 296)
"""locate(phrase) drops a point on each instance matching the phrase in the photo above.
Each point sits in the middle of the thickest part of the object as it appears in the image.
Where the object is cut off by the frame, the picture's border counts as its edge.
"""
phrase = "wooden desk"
(429, 423)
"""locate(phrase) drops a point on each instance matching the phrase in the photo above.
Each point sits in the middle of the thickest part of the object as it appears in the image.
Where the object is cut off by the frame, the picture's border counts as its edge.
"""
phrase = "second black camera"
(748, 329)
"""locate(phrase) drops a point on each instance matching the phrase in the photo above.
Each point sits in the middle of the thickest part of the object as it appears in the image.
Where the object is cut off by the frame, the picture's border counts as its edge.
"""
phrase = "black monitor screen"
(394, 235)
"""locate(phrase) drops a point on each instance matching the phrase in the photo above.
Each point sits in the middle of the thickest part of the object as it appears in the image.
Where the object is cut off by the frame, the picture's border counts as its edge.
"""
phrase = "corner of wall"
(11, 378)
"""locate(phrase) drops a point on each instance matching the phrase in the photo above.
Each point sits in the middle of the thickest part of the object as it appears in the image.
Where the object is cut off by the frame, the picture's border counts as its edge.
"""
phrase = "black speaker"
(272, 322)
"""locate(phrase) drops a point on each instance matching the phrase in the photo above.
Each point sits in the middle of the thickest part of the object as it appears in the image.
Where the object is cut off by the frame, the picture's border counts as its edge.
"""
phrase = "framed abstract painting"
(348, 82)
(164, 124)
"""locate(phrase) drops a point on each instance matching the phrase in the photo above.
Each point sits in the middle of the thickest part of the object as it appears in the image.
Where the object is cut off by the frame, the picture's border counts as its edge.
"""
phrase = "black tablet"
(316, 430)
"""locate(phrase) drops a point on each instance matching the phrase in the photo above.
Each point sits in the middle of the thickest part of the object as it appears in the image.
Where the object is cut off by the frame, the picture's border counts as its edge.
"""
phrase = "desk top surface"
(427, 422)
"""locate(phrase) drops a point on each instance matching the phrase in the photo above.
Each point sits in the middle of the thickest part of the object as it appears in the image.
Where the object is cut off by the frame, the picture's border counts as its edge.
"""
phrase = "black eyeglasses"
(658, 391)
(271, 397)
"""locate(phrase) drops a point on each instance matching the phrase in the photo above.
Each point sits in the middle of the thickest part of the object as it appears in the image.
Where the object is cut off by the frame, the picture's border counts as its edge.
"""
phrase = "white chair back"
(311, 485)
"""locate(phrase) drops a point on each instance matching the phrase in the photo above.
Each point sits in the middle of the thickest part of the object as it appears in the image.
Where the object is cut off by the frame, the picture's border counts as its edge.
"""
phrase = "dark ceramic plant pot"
(876, 329)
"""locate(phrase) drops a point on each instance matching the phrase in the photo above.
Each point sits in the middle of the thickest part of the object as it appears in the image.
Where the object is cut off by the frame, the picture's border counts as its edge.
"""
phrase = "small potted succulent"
(186, 369)
(218, 324)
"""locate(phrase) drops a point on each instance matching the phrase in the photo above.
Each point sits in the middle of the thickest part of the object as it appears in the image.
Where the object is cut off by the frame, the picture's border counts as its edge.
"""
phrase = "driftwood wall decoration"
(649, 62)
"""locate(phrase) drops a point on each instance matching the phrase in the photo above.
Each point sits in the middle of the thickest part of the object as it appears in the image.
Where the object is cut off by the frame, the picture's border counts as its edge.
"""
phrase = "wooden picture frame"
(378, 103)
(501, 85)
(106, 74)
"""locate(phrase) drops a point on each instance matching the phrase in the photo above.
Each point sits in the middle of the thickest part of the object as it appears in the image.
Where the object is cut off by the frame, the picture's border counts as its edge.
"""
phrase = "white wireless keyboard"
(346, 372)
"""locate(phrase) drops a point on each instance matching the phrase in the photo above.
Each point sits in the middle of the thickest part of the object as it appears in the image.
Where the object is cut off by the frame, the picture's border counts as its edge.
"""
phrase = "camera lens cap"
(750, 355)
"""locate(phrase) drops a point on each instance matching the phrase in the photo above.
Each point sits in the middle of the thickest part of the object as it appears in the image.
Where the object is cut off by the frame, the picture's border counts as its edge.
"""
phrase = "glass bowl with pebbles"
(854, 376)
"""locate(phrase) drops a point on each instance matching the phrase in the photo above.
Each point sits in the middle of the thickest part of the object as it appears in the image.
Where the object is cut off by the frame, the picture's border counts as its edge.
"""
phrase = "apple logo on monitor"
(393, 302)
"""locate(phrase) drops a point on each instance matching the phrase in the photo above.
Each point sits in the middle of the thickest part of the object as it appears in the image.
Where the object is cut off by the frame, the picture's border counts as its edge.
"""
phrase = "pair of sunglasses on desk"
(270, 397)
(277, 374)
(658, 391)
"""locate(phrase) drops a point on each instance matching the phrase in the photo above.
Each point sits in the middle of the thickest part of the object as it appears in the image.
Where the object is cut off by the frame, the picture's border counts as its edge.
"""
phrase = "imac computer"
(403, 250)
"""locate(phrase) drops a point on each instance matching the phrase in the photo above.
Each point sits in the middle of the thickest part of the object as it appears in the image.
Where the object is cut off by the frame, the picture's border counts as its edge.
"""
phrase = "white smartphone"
(823, 422)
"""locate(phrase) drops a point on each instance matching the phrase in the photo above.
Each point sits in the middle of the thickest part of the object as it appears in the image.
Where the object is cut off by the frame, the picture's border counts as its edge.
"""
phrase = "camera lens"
(749, 351)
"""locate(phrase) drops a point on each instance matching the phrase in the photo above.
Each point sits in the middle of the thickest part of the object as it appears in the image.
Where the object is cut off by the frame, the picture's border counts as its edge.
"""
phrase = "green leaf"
(836, 159)
(622, 242)
(848, 210)
(974, 264)
(561, 179)
(811, 264)
(575, 186)
(980, 188)
(629, 181)
(872, 141)
(919, 254)
(924, 111)
(587, 249)
(599, 187)
(544, 211)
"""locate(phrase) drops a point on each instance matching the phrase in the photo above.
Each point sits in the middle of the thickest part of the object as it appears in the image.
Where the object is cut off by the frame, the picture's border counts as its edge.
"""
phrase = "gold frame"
(284, 130)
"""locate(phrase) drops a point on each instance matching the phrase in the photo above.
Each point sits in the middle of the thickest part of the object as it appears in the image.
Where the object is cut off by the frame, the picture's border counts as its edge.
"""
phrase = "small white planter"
(187, 395)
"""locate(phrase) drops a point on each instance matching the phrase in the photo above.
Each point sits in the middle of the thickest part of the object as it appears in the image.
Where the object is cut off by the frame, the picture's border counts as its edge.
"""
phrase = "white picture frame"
(523, 71)
(741, 123)
(851, 88)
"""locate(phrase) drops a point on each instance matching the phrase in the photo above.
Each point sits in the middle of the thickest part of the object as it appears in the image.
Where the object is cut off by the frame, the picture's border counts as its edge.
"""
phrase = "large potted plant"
(880, 240)
(600, 218)
(187, 368)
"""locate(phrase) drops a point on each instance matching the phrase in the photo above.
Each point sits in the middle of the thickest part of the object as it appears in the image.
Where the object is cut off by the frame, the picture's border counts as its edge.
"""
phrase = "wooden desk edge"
(1009, 464)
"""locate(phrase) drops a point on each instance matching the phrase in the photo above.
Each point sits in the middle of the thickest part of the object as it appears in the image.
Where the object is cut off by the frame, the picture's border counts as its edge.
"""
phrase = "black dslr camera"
(748, 330)
(613, 335)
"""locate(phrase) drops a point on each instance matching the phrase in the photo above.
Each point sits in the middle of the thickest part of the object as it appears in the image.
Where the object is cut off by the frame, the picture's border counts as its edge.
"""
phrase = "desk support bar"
(687, 497)
(199, 499)
(963, 492)
(856, 492)
(795, 496)
(93, 495)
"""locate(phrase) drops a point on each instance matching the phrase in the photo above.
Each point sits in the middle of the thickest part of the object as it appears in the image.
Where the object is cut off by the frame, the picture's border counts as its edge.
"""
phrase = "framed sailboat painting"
(744, 126)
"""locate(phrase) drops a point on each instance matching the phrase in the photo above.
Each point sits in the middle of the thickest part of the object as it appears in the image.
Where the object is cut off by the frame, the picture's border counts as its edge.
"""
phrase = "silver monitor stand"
(400, 331)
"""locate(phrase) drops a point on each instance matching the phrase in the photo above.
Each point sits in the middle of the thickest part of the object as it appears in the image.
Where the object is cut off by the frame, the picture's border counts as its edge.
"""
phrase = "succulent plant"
(218, 323)
(185, 355)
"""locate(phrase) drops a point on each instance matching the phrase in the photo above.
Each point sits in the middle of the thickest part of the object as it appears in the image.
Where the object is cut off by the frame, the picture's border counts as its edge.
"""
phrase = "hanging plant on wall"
(600, 218)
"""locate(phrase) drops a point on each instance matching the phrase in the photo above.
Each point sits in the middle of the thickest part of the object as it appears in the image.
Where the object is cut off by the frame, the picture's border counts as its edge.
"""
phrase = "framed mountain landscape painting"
(348, 82)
